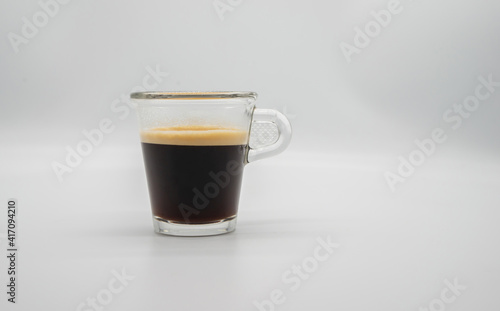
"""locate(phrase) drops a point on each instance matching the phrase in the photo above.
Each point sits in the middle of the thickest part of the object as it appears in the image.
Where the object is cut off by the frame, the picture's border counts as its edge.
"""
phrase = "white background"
(352, 122)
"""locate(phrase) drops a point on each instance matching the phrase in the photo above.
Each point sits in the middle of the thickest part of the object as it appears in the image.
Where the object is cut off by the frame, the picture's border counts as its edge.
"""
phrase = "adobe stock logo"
(296, 274)
(93, 138)
(105, 296)
(222, 7)
(211, 190)
(428, 146)
(372, 29)
(30, 28)
(448, 295)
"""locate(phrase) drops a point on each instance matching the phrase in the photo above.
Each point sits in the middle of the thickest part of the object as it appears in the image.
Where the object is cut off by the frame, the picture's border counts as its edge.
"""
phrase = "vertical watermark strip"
(12, 251)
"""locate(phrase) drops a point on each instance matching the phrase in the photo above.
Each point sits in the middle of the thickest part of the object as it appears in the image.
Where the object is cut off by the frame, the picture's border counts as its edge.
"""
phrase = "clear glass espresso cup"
(195, 146)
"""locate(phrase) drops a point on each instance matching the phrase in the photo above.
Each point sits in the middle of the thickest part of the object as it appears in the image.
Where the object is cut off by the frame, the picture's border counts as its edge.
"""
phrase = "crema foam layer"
(194, 136)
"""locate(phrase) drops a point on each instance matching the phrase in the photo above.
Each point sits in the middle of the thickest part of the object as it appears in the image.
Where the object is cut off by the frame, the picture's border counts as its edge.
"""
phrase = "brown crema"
(195, 136)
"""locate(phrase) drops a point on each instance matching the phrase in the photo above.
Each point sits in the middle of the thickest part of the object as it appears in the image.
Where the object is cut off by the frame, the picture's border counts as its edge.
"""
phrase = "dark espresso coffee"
(194, 173)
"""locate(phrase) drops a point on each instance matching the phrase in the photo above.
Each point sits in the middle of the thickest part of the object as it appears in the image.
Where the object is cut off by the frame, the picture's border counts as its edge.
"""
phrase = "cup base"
(171, 228)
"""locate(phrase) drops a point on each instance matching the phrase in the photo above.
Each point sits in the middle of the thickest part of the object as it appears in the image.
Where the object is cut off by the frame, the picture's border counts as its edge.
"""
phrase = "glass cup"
(195, 145)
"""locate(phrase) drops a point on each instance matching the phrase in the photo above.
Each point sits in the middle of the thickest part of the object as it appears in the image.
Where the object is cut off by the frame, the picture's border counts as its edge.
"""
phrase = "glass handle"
(284, 134)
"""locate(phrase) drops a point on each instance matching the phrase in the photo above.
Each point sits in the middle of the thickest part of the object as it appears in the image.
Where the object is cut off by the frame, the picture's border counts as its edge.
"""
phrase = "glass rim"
(193, 95)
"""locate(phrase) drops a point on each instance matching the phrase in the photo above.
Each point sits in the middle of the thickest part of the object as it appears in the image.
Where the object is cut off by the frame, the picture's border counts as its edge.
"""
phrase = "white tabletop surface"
(431, 244)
